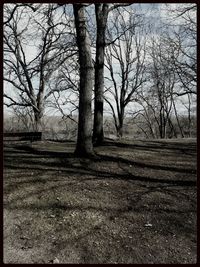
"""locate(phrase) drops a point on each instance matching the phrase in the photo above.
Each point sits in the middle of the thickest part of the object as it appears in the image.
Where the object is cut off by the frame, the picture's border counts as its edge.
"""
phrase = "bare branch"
(15, 8)
(114, 6)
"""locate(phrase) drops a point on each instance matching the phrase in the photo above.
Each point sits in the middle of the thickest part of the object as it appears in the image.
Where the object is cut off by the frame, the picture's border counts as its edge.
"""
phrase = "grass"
(136, 203)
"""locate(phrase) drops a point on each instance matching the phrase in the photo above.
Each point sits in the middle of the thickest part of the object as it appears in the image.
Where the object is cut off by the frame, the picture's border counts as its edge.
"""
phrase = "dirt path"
(135, 204)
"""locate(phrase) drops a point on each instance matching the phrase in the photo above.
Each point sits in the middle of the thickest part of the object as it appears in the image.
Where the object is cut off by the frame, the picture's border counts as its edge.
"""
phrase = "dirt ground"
(135, 203)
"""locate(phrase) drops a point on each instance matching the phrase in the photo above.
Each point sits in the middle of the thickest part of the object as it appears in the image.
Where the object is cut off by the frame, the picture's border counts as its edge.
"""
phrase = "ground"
(135, 203)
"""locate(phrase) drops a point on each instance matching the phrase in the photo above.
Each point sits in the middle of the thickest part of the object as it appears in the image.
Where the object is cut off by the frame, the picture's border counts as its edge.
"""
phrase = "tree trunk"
(162, 123)
(101, 11)
(172, 129)
(189, 116)
(120, 129)
(38, 115)
(84, 145)
(120, 132)
(177, 119)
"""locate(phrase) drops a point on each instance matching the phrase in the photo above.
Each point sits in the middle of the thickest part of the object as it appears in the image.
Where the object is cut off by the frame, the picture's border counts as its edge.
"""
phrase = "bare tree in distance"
(125, 64)
(159, 97)
(30, 76)
(184, 42)
(173, 51)
(64, 90)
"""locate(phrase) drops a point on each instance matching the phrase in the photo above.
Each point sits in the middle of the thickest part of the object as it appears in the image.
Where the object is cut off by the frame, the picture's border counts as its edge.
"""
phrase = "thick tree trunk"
(84, 145)
(120, 132)
(38, 115)
(120, 128)
(101, 11)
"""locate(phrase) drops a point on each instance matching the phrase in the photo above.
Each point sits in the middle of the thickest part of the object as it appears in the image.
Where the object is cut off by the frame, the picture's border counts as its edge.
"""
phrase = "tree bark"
(38, 121)
(189, 116)
(177, 119)
(84, 145)
(121, 122)
(101, 11)
(120, 131)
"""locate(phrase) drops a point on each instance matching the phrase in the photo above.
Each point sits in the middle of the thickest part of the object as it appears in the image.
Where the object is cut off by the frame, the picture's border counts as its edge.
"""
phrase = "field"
(134, 203)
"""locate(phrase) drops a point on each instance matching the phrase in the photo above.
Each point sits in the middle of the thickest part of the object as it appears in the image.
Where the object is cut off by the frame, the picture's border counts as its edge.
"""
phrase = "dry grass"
(135, 204)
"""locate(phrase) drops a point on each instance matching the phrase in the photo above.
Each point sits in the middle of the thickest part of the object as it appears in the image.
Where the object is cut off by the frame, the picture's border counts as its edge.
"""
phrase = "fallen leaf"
(56, 260)
(148, 225)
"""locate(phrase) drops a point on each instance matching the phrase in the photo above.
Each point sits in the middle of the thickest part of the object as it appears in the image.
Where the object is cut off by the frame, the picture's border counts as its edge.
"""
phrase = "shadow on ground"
(136, 203)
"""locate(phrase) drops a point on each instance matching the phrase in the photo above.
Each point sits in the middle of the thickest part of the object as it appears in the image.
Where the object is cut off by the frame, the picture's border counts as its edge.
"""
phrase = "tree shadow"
(144, 165)
(34, 151)
(55, 172)
(64, 162)
(189, 149)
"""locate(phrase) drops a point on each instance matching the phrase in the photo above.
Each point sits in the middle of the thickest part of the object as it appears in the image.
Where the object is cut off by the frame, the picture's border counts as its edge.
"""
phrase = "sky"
(156, 13)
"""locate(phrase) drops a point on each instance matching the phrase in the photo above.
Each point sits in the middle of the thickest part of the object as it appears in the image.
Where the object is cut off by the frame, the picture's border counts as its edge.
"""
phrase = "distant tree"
(162, 73)
(171, 73)
(28, 75)
(184, 41)
(64, 90)
(125, 64)
(189, 122)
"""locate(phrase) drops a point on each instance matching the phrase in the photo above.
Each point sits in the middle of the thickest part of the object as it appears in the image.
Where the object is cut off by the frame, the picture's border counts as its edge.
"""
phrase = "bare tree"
(184, 41)
(159, 98)
(64, 90)
(163, 77)
(28, 75)
(125, 64)
(101, 13)
(9, 14)
(189, 120)
(84, 145)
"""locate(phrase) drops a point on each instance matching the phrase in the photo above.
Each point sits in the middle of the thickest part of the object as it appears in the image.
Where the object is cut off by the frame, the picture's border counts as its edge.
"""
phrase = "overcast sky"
(156, 13)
